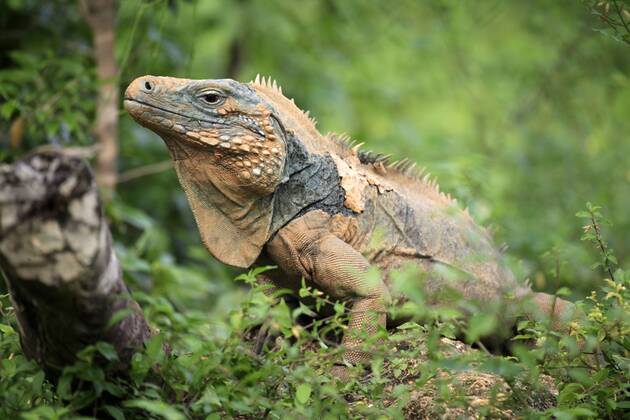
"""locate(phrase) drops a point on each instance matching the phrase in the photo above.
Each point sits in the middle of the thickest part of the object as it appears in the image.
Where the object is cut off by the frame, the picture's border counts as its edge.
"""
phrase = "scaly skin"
(264, 184)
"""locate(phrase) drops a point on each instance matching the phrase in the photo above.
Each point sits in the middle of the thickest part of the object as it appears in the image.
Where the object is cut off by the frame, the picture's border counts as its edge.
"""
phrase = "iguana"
(264, 184)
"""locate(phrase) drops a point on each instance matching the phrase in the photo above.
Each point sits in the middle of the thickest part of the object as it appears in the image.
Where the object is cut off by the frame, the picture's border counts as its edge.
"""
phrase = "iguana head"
(223, 121)
(229, 144)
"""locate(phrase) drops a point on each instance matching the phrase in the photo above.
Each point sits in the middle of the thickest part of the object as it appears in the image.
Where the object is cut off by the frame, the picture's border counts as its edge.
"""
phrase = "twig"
(602, 247)
(146, 170)
(623, 21)
(482, 347)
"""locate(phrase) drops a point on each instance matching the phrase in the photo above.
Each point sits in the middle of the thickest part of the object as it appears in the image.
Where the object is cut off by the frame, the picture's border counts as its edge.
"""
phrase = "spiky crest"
(269, 87)
(403, 167)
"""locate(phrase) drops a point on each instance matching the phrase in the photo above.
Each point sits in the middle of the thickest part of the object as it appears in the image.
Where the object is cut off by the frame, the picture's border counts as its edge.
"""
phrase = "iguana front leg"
(305, 248)
(340, 271)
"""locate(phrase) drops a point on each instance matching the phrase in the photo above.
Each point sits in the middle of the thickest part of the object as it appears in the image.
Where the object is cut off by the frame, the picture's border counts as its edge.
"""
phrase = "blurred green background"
(520, 108)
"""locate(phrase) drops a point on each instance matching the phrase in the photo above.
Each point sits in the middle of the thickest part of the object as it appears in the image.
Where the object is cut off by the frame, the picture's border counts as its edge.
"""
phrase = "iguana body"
(264, 184)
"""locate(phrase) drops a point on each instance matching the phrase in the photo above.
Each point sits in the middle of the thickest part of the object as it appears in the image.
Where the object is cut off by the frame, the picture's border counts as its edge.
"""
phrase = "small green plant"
(615, 15)
(593, 360)
(44, 98)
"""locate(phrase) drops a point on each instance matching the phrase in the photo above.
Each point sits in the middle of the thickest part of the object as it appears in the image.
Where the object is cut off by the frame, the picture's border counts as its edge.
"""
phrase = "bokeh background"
(520, 108)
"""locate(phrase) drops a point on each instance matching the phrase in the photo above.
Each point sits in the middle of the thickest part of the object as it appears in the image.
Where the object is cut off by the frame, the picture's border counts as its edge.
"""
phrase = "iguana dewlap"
(264, 184)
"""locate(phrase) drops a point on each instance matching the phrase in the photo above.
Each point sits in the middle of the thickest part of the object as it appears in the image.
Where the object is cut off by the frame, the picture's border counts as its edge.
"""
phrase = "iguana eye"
(212, 98)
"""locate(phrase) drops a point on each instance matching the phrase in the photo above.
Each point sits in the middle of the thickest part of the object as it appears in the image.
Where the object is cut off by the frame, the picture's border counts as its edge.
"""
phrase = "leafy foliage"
(47, 81)
(211, 370)
(615, 14)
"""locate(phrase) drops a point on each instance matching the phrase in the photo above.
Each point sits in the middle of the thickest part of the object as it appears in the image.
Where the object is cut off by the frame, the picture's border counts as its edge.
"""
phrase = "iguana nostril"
(148, 86)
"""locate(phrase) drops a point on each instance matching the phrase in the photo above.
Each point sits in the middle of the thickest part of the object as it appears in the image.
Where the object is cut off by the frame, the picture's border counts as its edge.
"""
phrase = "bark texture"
(57, 259)
(101, 17)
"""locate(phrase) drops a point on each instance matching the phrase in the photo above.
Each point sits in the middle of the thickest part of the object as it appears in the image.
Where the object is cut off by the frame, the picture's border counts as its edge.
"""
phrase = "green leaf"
(154, 348)
(339, 308)
(410, 325)
(7, 329)
(107, 350)
(64, 386)
(522, 325)
(38, 381)
(480, 325)
(262, 269)
(303, 309)
(622, 362)
(446, 313)
(45, 412)
(569, 394)
(115, 412)
(574, 413)
(159, 408)
(523, 337)
(303, 393)
(118, 316)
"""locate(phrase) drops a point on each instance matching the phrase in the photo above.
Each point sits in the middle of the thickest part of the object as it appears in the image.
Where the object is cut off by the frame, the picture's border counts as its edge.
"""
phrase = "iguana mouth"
(168, 111)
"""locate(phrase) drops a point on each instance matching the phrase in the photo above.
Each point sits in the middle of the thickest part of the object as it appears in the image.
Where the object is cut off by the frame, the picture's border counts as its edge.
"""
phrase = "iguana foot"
(340, 373)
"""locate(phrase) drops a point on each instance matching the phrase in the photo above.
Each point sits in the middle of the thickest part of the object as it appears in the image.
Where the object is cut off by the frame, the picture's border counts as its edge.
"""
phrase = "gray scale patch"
(311, 183)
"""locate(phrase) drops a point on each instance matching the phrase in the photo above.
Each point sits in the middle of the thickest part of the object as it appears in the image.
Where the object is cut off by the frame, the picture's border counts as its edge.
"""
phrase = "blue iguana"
(265, 185)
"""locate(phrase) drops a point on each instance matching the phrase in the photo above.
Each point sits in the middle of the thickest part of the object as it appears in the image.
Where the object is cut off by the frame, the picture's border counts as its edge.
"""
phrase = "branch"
(141, 171)
(622, 19)
(101, 17)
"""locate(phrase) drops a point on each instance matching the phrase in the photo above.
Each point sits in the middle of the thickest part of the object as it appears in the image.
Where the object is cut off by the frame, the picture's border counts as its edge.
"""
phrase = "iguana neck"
(211, 187)
(311, 182)
(233, 223)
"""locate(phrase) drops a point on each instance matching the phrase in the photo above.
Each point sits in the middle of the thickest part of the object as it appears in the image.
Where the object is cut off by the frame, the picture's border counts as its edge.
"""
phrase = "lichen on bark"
(58, 262)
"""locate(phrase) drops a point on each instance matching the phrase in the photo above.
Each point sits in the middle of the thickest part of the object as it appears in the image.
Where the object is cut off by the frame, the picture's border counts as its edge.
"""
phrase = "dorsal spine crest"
(404, 167)
(272, 87)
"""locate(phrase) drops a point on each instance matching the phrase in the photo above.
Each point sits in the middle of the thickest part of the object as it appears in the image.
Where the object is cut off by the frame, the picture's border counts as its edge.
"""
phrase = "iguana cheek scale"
(264, 184)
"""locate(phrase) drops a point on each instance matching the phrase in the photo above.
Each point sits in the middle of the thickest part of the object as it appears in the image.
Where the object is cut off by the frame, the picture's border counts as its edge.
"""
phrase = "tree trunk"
(101, 16)
(56, 255)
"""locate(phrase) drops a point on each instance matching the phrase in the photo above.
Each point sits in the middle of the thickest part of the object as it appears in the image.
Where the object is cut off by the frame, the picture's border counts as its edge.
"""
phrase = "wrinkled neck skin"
(214, 182)
(209, 185)
(233, 220)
